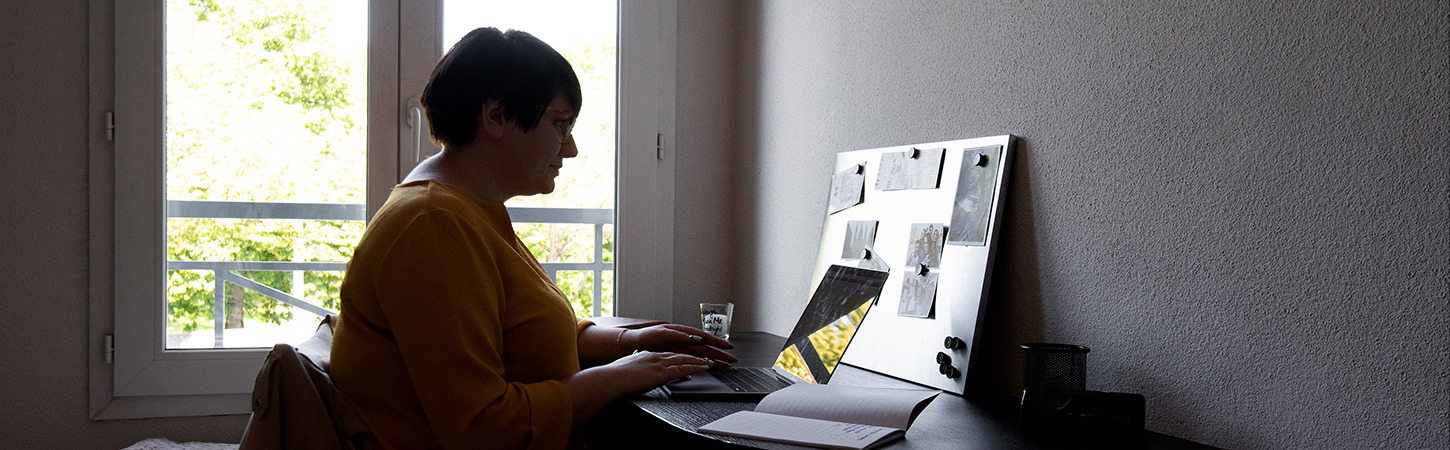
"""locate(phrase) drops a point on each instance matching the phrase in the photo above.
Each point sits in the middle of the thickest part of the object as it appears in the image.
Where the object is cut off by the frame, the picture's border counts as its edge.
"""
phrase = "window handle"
(415, 121)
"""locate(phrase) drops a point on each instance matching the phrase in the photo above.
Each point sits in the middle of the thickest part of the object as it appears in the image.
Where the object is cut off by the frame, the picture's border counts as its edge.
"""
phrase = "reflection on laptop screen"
(831, 319)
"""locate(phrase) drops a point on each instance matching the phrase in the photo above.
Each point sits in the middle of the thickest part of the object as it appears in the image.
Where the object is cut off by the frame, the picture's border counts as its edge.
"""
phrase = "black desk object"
(950, 421)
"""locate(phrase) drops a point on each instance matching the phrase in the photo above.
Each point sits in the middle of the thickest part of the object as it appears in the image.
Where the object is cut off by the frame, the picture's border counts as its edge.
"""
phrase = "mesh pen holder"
(1050, 373)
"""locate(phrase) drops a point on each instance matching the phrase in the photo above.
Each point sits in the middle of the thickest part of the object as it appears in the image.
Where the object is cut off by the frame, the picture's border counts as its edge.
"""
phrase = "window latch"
(110, 350)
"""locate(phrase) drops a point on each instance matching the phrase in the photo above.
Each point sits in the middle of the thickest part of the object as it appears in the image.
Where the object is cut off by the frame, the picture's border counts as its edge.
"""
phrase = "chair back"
(295, 405)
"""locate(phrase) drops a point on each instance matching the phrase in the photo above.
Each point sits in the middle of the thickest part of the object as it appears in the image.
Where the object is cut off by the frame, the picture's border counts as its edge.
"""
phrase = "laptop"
(813, 349)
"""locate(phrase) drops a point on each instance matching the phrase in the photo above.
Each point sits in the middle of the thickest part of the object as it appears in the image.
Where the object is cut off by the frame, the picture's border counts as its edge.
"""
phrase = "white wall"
(708, 237)
(1240, 206)
(43, 248)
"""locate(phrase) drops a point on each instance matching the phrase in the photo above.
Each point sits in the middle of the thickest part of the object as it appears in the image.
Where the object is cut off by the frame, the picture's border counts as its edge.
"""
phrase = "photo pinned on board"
(918, 293)
(976, 190)
(872, 260)
(925, 246)
(860, 235)
(916, 168)
(848, 188)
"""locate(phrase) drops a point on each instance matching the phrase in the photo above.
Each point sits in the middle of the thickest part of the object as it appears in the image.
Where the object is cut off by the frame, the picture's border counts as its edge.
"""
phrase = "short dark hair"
(520, 71)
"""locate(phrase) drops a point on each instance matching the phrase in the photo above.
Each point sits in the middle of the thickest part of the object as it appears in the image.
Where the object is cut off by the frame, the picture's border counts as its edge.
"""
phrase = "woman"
(451, 334)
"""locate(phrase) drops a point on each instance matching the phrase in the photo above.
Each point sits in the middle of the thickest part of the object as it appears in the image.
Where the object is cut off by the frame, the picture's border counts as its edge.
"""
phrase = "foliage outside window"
(278, 119)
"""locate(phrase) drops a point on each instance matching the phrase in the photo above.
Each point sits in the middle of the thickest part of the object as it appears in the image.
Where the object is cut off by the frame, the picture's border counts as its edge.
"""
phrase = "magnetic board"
(928, 213)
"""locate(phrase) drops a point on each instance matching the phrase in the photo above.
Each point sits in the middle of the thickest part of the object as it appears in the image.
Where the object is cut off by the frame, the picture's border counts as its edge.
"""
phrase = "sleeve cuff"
(552, 420)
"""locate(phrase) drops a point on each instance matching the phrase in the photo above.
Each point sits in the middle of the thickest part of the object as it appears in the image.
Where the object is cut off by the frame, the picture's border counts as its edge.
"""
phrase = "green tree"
(271, 121)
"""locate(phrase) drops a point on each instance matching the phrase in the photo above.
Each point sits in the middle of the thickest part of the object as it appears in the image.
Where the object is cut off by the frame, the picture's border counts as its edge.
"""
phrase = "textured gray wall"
(1240, 206)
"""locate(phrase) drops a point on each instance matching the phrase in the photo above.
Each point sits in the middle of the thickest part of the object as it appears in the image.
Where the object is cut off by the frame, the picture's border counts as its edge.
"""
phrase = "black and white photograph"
(925, 245)
(972, 208)
(860, 235)
(918, 294)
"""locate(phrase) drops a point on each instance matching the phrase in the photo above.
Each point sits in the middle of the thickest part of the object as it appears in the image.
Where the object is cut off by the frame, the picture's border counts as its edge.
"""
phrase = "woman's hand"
(642, 371)
(679, 339)
(593, 388)
(661, 353)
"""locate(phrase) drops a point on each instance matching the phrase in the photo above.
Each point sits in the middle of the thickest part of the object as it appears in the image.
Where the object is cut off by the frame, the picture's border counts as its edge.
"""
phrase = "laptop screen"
(835, 312)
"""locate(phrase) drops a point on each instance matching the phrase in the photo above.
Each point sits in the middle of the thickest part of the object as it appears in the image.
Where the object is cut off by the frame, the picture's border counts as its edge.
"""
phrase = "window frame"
(645, 196)
(132, 375)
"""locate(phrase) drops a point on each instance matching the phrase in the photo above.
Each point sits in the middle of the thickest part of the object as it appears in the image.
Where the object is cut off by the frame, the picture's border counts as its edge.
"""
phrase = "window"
(266, 166)
(169, 359)
(571, 229)
(644, 114)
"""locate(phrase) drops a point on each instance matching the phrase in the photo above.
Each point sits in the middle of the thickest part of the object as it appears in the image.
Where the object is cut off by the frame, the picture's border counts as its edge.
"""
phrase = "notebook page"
(800, 430)
(893, 408)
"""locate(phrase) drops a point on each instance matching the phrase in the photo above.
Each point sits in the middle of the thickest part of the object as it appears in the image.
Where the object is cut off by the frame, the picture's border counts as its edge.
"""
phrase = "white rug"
(166, 444)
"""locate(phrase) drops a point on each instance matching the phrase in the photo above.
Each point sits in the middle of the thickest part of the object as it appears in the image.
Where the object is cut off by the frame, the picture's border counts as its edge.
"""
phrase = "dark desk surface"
(951, 421)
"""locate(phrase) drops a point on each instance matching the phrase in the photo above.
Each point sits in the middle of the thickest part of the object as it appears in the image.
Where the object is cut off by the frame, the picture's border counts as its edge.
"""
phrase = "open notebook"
(813, 349)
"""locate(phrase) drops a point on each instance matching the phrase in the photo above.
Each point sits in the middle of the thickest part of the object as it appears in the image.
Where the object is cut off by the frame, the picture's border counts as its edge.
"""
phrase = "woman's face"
(536, 156)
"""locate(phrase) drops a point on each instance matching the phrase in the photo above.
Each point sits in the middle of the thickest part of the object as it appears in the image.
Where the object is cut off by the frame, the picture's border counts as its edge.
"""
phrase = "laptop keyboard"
(751, 379)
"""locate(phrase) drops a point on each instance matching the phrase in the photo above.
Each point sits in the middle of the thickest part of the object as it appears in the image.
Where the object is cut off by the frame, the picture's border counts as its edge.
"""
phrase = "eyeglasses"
(565, 126)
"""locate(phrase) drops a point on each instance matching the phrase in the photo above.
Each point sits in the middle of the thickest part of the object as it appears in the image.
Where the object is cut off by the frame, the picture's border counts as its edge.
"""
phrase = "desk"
(949, 422)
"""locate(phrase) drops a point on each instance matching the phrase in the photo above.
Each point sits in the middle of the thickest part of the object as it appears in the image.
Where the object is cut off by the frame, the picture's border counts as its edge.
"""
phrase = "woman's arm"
(600, 345)
(636, 361)
(590, 390)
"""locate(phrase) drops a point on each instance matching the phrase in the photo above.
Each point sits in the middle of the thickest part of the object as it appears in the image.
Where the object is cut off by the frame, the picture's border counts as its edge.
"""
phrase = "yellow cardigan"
(451, 334)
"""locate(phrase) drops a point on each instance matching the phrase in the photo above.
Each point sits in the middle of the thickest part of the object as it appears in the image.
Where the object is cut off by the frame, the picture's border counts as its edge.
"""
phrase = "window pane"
(249, 319)
(586, 33)
(266, 112)
(608, 244)
(558, 242)
(578, 286)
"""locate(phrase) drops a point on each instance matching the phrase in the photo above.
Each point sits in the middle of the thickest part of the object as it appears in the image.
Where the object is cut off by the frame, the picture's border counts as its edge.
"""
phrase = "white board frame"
(907, 347)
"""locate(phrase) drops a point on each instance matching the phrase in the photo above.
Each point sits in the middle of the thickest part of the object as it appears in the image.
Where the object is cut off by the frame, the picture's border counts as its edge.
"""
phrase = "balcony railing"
(227, 271)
